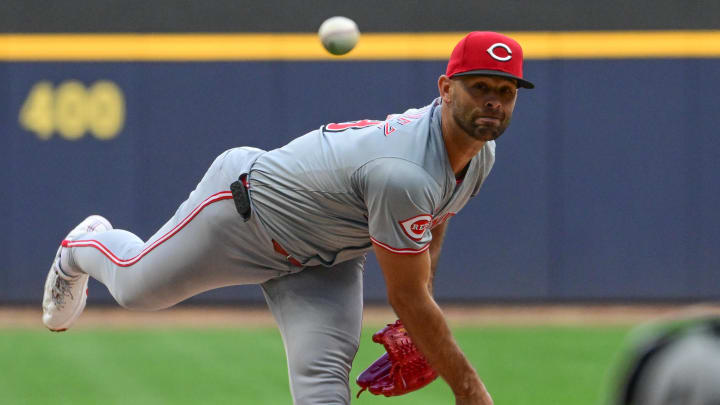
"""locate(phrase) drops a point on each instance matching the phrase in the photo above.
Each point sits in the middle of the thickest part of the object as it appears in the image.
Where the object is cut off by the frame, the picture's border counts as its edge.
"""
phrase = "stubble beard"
(480, 132)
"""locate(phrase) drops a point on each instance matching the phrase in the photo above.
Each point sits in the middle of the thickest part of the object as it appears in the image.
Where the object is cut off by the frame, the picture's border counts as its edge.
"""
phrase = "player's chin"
(486, 134)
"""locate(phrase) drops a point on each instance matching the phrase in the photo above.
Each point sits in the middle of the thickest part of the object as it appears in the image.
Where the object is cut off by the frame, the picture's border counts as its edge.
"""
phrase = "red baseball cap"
(488, 53)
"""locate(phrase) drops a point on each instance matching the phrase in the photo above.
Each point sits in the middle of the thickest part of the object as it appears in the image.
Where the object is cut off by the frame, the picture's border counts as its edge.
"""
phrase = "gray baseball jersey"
(327, 194)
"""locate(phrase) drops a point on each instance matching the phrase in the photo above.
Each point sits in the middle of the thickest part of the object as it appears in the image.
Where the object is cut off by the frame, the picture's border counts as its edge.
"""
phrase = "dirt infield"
(219, 317)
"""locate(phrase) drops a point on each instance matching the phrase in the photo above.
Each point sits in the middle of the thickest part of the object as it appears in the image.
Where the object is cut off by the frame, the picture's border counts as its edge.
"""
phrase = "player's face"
(482, 105)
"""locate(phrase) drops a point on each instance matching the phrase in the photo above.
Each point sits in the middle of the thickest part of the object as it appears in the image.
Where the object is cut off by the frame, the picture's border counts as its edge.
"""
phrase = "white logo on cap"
(491, 51)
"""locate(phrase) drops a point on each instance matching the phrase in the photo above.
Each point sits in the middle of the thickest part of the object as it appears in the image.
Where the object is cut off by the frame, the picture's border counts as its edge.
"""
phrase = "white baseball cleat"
(65, 294)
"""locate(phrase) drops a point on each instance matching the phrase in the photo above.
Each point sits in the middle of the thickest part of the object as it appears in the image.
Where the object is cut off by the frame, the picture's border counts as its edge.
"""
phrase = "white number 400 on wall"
(71, 110)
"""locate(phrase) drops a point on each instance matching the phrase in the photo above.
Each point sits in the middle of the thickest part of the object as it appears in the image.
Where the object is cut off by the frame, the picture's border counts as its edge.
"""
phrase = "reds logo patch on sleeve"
(416, 226)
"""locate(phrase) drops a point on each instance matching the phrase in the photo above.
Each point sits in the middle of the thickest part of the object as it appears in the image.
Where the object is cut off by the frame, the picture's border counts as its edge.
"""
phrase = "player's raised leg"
(319, 313)
(205, 245)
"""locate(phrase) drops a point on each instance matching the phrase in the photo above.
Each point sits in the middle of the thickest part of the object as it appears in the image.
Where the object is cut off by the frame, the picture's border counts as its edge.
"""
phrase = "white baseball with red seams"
(339, 35)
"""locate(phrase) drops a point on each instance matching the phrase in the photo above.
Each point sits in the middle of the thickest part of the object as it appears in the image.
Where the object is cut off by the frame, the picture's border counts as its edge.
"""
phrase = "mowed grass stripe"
(520, 365)
(145, 367)
(543, 365)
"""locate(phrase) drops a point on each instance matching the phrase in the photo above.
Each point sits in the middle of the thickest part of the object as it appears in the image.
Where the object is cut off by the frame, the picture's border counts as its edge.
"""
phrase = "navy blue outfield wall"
(606, 185)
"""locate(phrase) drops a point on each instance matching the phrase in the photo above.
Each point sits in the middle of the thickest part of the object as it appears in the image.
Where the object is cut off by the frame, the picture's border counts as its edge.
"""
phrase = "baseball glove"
(401, 370)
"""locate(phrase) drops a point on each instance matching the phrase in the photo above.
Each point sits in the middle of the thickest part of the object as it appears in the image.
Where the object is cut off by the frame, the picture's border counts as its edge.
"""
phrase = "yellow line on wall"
(372, 46)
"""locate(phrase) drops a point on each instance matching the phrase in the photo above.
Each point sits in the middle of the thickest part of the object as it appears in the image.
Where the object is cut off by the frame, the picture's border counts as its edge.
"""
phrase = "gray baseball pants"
(207, 245)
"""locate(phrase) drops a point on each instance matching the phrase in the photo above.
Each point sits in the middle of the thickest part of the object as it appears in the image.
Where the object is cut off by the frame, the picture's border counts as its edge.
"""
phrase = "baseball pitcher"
(299, 220)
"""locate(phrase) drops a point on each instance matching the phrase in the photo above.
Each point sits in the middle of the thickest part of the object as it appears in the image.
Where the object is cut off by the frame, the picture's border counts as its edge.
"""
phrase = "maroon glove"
(401, 370)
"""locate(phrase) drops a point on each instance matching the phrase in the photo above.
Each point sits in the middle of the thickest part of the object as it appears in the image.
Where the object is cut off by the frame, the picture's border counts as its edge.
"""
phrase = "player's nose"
(492, 103)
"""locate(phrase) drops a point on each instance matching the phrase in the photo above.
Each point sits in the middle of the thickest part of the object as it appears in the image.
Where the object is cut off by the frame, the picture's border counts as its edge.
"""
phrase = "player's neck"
(460, 147)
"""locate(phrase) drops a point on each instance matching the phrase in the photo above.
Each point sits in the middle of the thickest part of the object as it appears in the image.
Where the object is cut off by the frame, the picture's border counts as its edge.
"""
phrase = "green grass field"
(520, 365)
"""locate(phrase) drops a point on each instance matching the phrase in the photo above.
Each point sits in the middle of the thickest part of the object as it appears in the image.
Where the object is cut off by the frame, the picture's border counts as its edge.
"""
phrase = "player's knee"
(322, 377)
(138, 302)
(320, 384)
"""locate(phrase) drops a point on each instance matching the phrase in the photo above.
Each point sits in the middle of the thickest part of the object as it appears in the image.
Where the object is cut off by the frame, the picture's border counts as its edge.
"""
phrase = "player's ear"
(445, 89)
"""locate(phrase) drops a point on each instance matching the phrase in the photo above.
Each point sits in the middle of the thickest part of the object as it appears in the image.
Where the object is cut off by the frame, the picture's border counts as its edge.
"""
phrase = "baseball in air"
(339, 35)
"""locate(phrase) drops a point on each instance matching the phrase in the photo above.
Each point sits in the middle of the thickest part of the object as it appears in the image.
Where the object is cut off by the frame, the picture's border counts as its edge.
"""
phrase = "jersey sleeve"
(400, 197)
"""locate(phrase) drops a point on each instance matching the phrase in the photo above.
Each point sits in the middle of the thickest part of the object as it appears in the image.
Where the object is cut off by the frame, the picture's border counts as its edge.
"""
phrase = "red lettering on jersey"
(416, 226)
(336, 127)
(405, 118)
(389, 129)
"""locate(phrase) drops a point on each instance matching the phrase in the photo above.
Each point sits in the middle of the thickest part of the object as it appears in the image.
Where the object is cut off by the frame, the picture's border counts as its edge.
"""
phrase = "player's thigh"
(319, 313)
